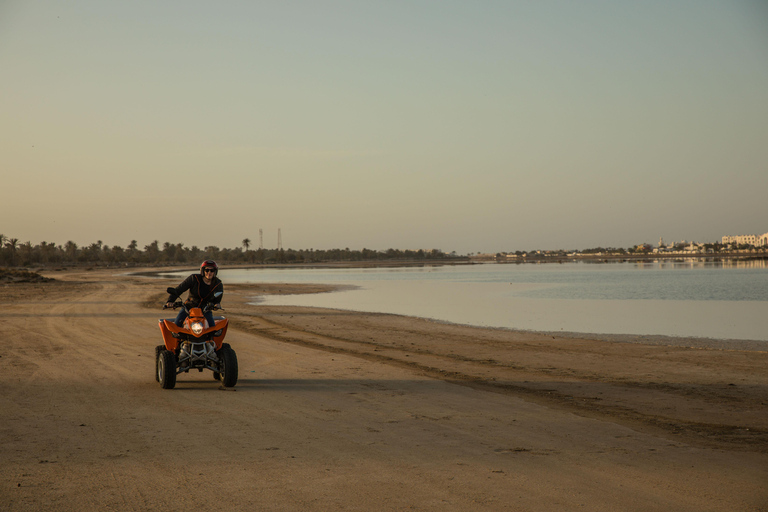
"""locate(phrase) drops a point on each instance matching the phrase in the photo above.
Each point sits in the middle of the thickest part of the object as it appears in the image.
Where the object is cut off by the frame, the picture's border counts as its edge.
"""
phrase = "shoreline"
(269, 289)
(649, 339)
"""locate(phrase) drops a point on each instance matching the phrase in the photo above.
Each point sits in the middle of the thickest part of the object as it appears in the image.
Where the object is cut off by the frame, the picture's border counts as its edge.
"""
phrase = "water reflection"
(682, 263)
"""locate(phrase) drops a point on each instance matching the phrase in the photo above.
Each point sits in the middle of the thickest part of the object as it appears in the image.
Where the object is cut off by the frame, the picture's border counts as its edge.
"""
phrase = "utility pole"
(279, 240)
(261, 239)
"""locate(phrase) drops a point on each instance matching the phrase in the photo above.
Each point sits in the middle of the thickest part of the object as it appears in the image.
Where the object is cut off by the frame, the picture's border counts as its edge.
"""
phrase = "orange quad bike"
(196, 345)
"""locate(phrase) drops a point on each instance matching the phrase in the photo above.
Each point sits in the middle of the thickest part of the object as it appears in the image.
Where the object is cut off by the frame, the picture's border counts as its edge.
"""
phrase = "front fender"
(166, 328)
(222, 324)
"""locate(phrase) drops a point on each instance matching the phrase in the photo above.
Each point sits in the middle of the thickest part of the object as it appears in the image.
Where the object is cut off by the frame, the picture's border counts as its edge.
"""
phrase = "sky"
(479, 126)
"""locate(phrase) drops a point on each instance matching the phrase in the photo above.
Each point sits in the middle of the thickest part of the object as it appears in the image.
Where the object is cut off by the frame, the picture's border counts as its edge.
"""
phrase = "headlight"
(197, 328)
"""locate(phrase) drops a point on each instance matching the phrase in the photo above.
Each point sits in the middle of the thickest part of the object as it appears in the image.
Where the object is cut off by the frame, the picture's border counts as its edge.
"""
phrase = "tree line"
(17, 254)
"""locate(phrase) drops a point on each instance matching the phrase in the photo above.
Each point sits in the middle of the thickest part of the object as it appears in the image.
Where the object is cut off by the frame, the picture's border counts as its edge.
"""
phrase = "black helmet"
(209, 264)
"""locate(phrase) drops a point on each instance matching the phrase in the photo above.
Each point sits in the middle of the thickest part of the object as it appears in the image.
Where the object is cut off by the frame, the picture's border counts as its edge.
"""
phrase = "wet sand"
(337, 410)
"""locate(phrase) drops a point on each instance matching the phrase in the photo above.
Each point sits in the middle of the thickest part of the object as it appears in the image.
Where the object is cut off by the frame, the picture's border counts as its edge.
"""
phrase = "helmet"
(209, 264)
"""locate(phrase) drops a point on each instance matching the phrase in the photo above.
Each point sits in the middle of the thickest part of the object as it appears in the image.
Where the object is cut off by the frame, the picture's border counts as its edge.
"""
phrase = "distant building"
(483, 257)
(755, 240)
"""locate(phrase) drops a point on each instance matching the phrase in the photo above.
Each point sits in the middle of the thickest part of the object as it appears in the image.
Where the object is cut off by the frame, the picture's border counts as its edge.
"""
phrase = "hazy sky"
(459, 125)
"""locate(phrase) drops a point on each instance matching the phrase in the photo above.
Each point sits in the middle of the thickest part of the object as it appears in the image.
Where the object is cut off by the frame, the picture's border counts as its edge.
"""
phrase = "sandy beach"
(336, 410)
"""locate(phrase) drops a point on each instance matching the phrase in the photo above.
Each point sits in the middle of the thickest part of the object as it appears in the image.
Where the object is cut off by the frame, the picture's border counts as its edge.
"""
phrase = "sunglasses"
(209, 270)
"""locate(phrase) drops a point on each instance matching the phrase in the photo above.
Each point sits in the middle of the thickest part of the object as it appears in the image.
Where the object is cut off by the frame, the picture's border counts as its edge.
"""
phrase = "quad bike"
(197, 345)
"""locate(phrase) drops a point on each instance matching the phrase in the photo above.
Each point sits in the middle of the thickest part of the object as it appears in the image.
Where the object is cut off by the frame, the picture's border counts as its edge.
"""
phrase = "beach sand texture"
(351, 411)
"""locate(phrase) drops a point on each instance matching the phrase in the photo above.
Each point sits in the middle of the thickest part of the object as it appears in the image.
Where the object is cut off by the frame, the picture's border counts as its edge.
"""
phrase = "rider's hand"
(169, 305)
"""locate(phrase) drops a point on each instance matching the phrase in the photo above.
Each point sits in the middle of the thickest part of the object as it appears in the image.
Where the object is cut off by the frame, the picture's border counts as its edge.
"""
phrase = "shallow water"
(687, 299)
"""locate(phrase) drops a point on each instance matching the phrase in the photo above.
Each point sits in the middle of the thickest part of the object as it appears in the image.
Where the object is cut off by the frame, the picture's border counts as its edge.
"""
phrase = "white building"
(757, 241)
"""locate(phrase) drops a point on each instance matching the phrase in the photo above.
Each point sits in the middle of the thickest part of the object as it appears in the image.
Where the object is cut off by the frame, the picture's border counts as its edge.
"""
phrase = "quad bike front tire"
(158, 349)
(166, 369)
(228, 366)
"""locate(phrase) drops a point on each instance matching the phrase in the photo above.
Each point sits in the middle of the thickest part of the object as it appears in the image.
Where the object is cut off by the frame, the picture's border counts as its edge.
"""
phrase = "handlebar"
(208, 307)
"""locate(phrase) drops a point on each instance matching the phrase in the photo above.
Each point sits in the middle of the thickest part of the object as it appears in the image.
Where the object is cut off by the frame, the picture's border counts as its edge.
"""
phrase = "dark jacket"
(199, 292)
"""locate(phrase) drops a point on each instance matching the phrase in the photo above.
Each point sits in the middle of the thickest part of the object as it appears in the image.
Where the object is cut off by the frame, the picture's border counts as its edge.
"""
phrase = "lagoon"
(719, 300)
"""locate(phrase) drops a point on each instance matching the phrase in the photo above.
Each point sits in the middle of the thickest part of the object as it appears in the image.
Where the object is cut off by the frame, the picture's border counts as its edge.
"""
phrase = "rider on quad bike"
(194, 340)
(201, 288)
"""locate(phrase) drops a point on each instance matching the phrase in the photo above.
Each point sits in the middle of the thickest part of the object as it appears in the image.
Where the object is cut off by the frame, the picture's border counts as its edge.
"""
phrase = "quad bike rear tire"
(228, 366)
(166, 369)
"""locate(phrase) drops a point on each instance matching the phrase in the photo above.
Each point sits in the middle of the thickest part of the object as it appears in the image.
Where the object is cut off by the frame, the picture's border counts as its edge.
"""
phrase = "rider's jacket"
(199, 292)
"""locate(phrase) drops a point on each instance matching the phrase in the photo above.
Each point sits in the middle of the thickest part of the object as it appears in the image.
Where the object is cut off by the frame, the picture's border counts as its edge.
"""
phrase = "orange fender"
(166, 328)
(223, 325)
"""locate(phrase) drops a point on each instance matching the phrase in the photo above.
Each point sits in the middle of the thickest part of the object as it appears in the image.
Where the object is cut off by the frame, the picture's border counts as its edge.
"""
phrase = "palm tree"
(70, 248)
(152, 251)
(246, 243)
(11, 245)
